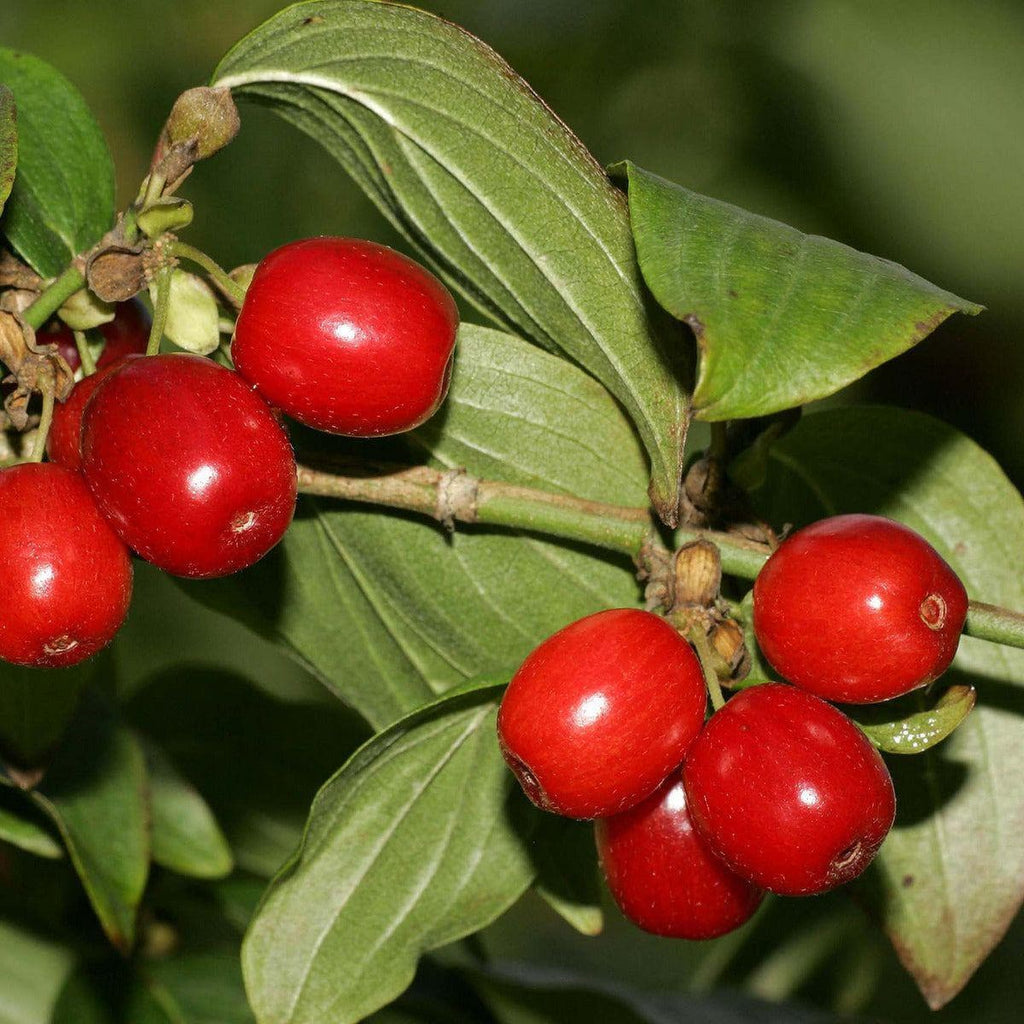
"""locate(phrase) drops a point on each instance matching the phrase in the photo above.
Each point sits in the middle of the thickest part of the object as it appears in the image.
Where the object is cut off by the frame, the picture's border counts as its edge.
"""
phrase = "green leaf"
(258, 761)
(18, 827)
(567, 873)
(34, 972)
(95, 792)
(950, 877)
(921, 730)
(422, 611)
(8, 143)
(410, 846)
(781, 318)
(463, 158)
(63, 196)
(185, 835)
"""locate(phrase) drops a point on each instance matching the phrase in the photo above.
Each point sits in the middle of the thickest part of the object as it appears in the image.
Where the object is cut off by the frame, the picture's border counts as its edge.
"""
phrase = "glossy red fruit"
(189, 465)
(64, 442)
(788, 791)
(347, 336)
(127, 334)
(662, 874)
(600, 713)
(858, 609)
(67, 579)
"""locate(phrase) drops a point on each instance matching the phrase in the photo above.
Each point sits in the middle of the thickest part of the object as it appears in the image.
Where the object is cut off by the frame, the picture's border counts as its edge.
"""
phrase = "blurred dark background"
(896, 128)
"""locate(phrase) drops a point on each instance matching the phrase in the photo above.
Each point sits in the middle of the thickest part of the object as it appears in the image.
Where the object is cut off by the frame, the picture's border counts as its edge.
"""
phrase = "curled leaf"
(33, 367)
(917, 732)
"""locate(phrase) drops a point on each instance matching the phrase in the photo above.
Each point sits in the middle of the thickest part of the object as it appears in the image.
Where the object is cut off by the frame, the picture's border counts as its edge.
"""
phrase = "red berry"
(64, 442)
(600, 713)
(67, 579)
(858, 609)
(127, 334)
(347, 336)
(788, 791)
(662, 874)
(188, 464)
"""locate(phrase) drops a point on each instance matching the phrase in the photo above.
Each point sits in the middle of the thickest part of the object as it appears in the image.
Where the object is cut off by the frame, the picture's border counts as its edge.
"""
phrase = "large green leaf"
(95, 791)
(32, 974)
(950, 876)
(257, 761)
(8, 143)
(387, 609)
(410, 846)
(781, 318)
(463, 157)
(63, 196)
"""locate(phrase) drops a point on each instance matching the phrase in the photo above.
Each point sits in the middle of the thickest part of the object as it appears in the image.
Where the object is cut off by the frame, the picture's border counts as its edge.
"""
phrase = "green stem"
(990, 622)
(458, 497)
(88, 363)
(152, 189)
(54, 296)
(453, 496)
(163, 294)
(707, 663)
(220, 277)
(43, 431)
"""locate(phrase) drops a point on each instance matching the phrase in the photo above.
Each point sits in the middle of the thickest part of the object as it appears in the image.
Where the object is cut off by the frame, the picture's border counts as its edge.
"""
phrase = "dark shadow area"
(258, 761)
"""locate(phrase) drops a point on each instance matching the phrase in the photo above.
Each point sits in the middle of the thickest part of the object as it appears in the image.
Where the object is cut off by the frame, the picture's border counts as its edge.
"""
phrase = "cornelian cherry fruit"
(127, 334)
(858, 609)
(601, 712)
(788, 791)
(64, 442)
(347, 336)
(188, 464)
(67, 578)
(662, 874)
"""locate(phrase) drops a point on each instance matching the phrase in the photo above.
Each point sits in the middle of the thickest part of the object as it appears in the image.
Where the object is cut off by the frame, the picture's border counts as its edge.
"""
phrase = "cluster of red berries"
(185, 462)
(778, 790)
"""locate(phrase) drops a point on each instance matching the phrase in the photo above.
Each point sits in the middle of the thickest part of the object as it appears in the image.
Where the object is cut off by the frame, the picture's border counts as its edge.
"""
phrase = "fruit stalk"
(619, 528)
(54, 296)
